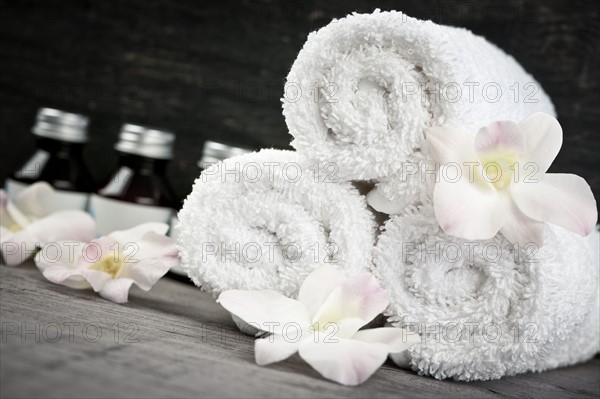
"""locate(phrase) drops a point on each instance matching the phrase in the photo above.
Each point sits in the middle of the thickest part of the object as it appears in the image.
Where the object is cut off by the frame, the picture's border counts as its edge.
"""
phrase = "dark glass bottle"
(138, 190)
(57, 160)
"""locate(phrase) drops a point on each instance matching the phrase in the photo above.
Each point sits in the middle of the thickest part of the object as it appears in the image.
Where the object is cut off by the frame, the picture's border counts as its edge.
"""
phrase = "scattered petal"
(116, 290)
(270, 310)
(562, 199)
(31, 200)
(348, 362)
(543, 138)
(497, 137)
(382, 204)
(465, 209)
(276, 348)
(318, 285)
(520, 228)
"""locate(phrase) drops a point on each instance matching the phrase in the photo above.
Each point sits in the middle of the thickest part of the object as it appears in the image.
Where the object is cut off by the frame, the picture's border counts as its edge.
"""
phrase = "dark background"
(216, 70)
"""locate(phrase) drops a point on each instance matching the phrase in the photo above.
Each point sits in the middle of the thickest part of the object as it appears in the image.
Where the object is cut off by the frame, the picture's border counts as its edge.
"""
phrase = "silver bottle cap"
(145, 141)
(60, 125)
(215, 152)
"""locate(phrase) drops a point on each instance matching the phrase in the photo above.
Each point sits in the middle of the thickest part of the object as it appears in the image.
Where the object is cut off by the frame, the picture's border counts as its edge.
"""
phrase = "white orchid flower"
(323, 324)
(112, 263)
(25, 225)
(496, 181)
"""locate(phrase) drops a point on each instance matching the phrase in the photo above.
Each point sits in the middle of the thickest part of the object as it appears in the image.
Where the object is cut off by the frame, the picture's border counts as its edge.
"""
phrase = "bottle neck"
(143, 165)
(62, 149)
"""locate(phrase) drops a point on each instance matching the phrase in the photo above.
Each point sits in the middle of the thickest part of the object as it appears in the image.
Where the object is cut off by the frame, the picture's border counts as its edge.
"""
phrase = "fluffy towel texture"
(363, 89)
(262, 221)
(486, 310)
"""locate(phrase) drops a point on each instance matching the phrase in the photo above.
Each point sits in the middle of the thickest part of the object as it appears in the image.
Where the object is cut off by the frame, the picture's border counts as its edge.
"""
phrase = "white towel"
(484, 309)
(363, 89)
(263, 221)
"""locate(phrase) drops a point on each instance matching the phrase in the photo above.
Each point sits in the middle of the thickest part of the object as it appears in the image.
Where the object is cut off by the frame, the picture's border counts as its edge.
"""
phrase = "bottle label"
(59, 200)
(111, 214)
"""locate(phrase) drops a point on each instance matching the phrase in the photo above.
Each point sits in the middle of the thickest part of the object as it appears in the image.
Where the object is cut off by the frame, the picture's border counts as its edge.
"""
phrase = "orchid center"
(498, 169)
(109, 264)
(15, 227)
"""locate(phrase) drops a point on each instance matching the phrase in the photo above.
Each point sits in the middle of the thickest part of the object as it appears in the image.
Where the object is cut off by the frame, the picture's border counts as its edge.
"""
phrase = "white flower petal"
(15, 215)
(450, 145)
(499, 136)
(18, 247)
(520, 228)
(152, 246)
(97, 279)
(66, 255)
(61, 264)
(466, 209)
(347, 361)
(63, 226)
(543, 138)
(31, 200)
(71, 278)
(359, 298)
(382, 204)
(97, 250)
(269, 310)
(318, 285)
(147, 272)
(137, 233)
(116, 290)
(394, 340)
(562, 199)
(275, 348)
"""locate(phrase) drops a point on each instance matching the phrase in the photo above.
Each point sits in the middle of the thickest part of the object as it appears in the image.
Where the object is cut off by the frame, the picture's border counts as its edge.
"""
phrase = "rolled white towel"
(363, 89)
(264, 221)
(585, 341)
(485, 309)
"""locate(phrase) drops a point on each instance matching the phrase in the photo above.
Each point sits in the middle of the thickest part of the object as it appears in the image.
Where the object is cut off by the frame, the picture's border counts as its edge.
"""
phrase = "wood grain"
(185, 345)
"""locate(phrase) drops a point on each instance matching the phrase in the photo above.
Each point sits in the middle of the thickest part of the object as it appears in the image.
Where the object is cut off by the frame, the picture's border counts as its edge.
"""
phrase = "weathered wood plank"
(185, 345)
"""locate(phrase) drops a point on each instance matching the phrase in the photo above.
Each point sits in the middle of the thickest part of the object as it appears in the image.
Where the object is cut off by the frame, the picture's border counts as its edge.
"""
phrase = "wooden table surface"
(175, 341)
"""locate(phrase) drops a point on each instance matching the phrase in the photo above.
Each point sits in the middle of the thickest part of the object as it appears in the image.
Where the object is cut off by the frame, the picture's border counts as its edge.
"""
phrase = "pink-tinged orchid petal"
(499, 136)
(276, 348)
(380, 203)
(64, 264)
(562, 199)
(63, 226)
(15, 216)
(116, 290)
(137, 233)
(466, 209)
(147, 272)
(357, 301)
(394, 340)
(520, 228)
(150, 258)
(99, 249)
(152, 246)
(269, 310)
(18, 247)
(60, 226)
(109, 268)
(31, 200)
(346, 361)
(317, 287)
(543, 138)
(450, 145)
